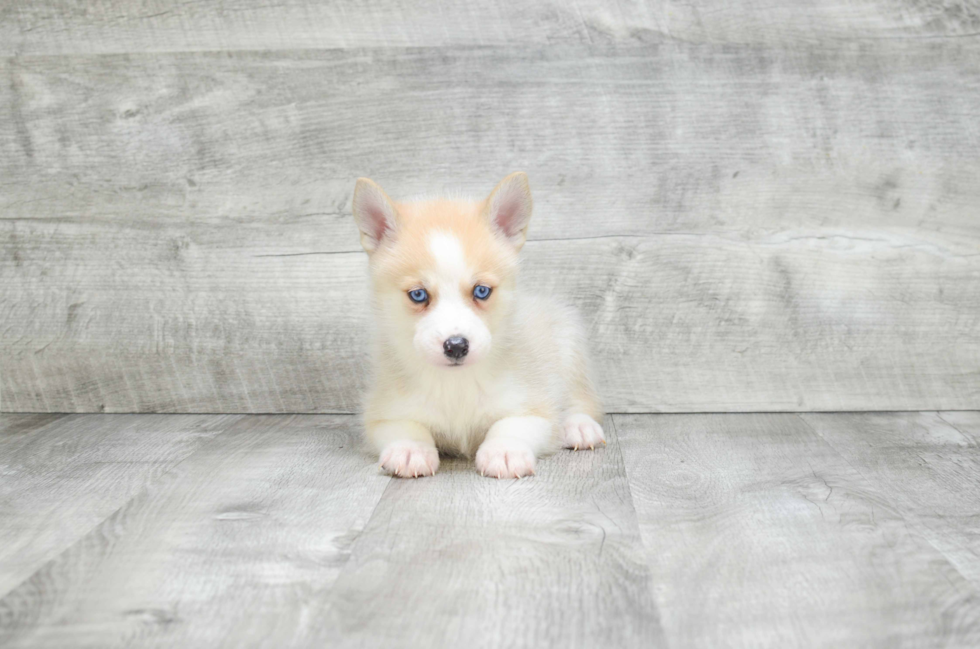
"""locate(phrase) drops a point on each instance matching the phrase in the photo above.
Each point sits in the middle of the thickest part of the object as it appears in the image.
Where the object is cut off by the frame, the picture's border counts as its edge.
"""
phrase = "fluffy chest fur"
(460, 409)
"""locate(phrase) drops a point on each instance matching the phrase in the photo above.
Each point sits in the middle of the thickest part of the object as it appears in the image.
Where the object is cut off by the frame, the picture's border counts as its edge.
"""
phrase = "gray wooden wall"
(757, 207)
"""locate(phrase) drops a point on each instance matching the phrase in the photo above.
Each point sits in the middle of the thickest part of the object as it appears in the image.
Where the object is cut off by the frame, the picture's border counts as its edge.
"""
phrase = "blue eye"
(481, 291)
(418, 295)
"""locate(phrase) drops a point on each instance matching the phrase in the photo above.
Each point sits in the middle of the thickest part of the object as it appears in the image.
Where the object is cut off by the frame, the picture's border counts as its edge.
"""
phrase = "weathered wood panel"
(850, 141)
(966, 422)
(106, 26)
(233, 546)
(60, 480)
(677, 323)
(930, 465)
(763, 228)
(759, 533)
(460, 560)
(13, 426)
(687, 530)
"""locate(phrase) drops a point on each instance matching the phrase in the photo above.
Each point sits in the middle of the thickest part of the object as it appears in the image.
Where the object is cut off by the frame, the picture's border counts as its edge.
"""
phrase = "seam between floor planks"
(163, 479)
(912, 519)
(620, 413)
(638, 613)
(913, 526)
(24, 604)
(68, 473)
(663, 504)
(939, 413)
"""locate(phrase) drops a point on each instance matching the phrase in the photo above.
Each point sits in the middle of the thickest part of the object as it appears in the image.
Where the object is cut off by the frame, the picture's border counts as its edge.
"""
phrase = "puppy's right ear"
(374, 214)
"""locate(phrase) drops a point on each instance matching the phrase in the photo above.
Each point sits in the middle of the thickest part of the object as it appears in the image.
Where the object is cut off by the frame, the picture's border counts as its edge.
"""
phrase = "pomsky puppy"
(463, 362)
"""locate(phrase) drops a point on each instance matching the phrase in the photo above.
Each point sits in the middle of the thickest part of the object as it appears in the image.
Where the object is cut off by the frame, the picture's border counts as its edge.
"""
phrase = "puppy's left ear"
(508, 208)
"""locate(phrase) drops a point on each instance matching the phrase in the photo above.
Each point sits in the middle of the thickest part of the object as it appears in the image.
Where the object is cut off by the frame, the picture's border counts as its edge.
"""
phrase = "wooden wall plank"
(617, 140)
(112, 26)
(759, 533)
(63, 479)
(760, 228)
(682, 323)
(232, 547)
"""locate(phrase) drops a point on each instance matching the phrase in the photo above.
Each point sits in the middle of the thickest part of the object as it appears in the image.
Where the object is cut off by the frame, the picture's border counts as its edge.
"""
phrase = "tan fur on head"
(506, 211)
(411, 243)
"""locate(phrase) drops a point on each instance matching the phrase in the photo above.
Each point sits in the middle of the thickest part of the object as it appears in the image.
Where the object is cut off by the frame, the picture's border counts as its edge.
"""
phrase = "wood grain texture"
(460, 560)
(107, 26)
(966, 422)
(747, 227)
(676, 323)
(629, 140)
(687, 530)
(233, 546)
(61, 479)
(759, 533)
(13, 426)
(930, 465)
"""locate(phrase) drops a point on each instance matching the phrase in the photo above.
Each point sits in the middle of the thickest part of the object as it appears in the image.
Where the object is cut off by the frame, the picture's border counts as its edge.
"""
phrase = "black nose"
(456, 347)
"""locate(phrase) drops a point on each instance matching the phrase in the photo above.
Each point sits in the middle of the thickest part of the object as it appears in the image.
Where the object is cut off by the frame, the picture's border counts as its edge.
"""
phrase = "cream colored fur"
(521, 392)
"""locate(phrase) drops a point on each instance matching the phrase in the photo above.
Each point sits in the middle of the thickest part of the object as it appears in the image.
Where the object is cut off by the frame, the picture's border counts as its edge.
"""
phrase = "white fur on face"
(448, 253)
(453, 313)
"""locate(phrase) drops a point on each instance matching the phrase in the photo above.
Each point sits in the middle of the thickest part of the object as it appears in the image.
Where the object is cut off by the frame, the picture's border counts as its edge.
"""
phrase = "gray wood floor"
(687, 530)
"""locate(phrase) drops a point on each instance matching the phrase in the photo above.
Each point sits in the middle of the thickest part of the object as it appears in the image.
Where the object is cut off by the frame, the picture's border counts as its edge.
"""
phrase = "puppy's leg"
(580, 429)
(512, 445)
(407, 448)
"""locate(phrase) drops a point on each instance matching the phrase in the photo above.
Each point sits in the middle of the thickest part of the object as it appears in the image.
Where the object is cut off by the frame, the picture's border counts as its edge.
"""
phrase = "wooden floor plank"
(966, 422)
(687, 530)
(61, 480)
(760, 534)
(465, 561)
(228, 549)
(929, 464)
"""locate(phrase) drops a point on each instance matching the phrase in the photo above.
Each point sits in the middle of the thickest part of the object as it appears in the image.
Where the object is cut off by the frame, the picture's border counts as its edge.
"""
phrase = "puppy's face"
(443, 271)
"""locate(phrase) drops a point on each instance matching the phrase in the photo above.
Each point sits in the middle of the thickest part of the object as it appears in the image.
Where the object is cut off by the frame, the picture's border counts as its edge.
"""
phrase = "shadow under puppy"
(463, 361)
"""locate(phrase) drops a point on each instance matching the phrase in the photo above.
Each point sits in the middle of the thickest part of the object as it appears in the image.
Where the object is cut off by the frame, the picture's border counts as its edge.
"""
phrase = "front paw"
(581, 431)
(410, 459)
(499, 458)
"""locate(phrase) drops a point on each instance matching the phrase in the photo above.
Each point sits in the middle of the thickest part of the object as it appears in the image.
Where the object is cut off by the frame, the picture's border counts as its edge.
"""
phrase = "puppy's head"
(443, 270)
